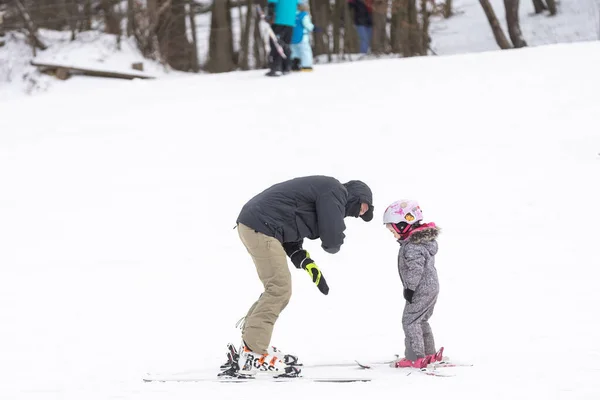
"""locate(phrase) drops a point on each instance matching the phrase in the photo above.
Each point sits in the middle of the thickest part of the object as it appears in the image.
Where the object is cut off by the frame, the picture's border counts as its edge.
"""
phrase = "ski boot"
(288, 359)
(437, 357)
(250, 363)
(418, 363)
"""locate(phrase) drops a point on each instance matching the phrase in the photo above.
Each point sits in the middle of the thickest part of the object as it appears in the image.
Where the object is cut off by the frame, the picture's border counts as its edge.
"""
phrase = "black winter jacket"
(308, 207)
(361, 11)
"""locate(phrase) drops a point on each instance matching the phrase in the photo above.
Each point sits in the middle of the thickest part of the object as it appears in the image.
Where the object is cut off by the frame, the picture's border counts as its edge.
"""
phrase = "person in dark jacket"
(282, 13)
(273, 225)
(362, 12)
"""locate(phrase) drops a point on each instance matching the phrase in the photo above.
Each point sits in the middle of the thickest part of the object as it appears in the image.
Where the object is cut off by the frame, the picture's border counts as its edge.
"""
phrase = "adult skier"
(272, 226)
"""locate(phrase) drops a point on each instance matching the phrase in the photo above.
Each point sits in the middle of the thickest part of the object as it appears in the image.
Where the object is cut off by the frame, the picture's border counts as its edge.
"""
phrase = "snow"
(118, 255)
(91, 49)
(469, 31)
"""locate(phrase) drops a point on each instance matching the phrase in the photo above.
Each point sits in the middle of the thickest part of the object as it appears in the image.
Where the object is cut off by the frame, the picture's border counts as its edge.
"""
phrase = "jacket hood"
(425, 236)
(358, 192)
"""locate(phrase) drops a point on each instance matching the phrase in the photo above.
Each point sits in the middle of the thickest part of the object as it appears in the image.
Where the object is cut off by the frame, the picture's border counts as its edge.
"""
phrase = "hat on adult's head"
(358, 193)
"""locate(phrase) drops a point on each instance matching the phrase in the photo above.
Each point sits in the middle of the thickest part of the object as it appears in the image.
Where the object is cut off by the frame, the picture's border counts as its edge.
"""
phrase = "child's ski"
(272, 35)
(445, 364)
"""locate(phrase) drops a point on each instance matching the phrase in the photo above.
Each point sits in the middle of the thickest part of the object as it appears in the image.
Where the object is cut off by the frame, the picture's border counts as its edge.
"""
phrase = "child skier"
(416, 265)
(302, 56)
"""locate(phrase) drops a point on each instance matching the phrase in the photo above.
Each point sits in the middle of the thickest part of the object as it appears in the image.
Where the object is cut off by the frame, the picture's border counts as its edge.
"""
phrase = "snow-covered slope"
(118, 256)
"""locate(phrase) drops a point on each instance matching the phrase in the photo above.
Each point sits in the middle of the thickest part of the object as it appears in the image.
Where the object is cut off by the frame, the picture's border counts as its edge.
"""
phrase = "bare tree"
(112, 24)
(552, 7)
(73, 16)
(512, 20)
(48, 13)
(351, 45)
(30, 26)
(426, 12)
(379, 16)
(245, 39)
(86, 22)
(495, 25)
(130, 17)
(539, 6)
(1, 27)
(220, 53)
(448, 11)
(396, 25)
(194, 45)
(338, 16)
(260, 56)
(320, 10)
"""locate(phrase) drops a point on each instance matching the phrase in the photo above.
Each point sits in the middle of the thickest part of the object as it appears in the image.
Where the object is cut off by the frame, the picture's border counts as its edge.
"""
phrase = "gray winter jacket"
(416, 262)
(308, 207)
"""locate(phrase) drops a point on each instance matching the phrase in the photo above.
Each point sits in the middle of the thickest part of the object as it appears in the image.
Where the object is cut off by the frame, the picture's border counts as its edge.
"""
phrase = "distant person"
(302, 55)
(416, 266)
(283, 15)
(362, 11)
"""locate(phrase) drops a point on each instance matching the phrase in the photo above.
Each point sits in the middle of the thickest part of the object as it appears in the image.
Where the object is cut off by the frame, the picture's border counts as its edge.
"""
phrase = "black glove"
(408, 295)
(317, 276)
(301, 260)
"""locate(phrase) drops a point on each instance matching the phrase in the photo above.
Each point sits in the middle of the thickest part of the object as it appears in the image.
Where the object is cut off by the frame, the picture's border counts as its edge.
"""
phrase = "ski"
(272, 35)
(431, 370)
(262, 378)
(445, 364)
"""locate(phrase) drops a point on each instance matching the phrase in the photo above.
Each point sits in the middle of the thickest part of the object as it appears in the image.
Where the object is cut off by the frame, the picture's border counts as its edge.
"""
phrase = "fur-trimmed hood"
(424, 233)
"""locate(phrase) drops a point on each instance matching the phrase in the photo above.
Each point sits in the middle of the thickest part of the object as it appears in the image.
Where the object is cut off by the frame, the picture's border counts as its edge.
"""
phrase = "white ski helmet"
(407, 211)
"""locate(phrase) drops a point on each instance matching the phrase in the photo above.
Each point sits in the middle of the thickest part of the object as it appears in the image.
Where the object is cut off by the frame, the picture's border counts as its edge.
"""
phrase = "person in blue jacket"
(283, 15)
(302, 56)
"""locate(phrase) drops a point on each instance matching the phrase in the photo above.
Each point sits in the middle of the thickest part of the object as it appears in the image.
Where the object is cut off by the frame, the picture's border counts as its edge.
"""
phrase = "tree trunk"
(30, 26)
(220, 53)
(425, 40)
(320, 13)
(130, 18)
(512, 20)
(48, 14)
(495, 25)
(448, 9)
(338, 16)
(173, 44)
(1, 29)
(73, 16)
(396, 28)
(194, 46)
(260, 57)
(111, 20)
(414, 29)
(539, 6)
(406, 29)
(379, 16)
(552, 7)
(245, 40)
(86, 22)
(350, 35)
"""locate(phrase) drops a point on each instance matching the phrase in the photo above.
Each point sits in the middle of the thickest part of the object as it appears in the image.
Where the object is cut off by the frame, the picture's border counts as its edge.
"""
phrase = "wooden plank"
(92, 72)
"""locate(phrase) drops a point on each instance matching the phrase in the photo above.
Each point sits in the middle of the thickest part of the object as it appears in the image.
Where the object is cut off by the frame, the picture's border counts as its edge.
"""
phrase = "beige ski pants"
(271, 264)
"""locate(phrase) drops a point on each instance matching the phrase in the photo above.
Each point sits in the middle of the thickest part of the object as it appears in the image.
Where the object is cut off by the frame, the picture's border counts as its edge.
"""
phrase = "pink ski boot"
(418, 363)
(437, 357)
